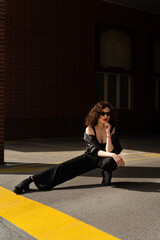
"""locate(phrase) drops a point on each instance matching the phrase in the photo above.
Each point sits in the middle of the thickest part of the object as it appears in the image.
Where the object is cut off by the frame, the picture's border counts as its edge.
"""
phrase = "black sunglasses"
(105, 113)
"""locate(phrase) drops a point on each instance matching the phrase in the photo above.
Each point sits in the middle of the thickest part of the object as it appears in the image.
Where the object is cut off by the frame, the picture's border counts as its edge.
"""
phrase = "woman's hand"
(120, 162)
(108, 128)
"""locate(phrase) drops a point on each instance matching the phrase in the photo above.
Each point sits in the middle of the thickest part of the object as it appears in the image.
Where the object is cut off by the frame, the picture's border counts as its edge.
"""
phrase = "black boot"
(23, 186)
(107, 176)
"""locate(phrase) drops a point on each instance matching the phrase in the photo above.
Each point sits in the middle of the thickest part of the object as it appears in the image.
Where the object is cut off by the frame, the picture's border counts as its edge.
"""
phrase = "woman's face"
(104, 115)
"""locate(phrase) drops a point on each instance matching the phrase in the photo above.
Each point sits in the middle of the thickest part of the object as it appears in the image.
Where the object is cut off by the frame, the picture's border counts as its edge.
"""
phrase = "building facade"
(2, 77)
(63, 56)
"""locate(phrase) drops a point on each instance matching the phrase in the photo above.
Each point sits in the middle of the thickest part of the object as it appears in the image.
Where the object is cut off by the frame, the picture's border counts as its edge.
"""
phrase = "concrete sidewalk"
(129, 209)
(53, 150)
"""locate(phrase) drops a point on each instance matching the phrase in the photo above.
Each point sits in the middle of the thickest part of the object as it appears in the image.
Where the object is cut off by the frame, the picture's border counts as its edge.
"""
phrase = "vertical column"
(2, 72)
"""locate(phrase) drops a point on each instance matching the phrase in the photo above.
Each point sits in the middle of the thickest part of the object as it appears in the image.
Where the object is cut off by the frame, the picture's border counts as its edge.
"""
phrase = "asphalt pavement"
(129, 209)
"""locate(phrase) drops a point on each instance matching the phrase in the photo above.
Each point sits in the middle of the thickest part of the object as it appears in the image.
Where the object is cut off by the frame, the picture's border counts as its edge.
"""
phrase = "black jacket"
(93, 146)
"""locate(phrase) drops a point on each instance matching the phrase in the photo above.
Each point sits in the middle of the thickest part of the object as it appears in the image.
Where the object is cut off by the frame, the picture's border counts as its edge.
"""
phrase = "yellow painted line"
(151, 154)
(27, 168)
(134, 159)
(38, 167)
(22, 169)
(141, 156)
(154, 155)
(43, 222)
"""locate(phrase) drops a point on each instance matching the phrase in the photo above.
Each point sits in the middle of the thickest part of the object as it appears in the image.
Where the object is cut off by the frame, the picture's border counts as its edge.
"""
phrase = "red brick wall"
(142, 27)
(2, 71)
(50, 64)
(49, 67)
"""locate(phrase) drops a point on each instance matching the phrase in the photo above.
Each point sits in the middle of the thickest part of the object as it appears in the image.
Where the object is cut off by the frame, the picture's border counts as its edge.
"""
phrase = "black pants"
(65, 171)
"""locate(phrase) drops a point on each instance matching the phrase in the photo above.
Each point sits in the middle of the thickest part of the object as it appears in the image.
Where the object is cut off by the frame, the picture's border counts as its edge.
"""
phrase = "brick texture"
(144, 28)
(50, 67)
(2, 75)
(51, 59)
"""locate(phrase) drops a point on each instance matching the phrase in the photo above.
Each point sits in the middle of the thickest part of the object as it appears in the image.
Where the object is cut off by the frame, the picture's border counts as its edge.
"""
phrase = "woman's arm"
(109, 144)
(117, 158)
(94, 148)
(110, 147)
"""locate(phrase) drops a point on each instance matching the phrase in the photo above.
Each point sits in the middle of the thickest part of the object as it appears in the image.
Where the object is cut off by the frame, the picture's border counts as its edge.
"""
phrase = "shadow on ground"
(23, 168)
(129, 172)
(46, 145)
(142, 142)
(123, 172)
(131, 186)
(139, 142)
(138, 186)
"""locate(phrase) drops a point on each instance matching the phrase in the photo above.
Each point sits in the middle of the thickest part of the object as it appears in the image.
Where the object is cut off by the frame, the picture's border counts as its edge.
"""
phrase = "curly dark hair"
(94, 113)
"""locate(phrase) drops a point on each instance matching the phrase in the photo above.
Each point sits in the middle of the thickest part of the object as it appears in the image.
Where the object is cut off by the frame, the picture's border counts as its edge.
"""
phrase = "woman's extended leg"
(60, 173)
(65, 171)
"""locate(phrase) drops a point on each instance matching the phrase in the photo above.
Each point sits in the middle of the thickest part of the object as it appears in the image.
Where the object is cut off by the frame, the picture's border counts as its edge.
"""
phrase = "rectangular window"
(158, 94)
(99, 86)
(114, 88)
(117, 90)
(152, 98)
(154, 93)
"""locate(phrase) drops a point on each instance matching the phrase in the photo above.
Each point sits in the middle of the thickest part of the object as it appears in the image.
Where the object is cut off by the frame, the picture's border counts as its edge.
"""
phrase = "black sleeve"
(115, 141)
(92, 145)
